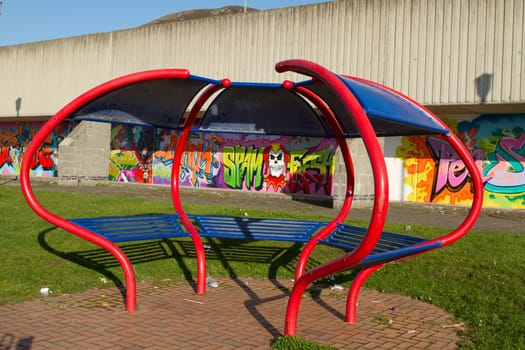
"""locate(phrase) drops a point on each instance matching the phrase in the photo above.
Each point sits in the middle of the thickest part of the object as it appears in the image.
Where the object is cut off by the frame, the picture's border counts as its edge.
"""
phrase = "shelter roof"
(259, 108)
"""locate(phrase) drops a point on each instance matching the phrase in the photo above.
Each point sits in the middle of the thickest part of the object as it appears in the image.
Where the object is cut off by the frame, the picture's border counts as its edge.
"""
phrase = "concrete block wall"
(84, 153)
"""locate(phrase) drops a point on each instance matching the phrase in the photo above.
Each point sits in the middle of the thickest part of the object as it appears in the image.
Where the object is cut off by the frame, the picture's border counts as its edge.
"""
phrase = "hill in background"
(201, 13)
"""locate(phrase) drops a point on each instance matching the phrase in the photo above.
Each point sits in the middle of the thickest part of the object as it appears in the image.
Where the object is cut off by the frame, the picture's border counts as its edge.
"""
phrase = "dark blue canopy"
(255, 108)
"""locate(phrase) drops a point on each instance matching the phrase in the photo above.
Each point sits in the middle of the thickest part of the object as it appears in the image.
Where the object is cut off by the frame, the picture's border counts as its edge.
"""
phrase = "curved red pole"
(55, 220)
(447, 239)
(39, 138)
(465, 156)
(353, 293)
(345, 151)
(380, 185)
(175, 175)
(477, 189)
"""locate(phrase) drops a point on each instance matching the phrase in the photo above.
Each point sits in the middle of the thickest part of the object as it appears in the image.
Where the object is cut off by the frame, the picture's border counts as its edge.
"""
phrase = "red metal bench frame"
(361, 255)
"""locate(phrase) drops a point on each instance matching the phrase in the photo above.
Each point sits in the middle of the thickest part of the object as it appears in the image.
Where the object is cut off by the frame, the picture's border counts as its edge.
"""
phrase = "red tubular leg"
(292, 310)
(40, 137)
(377, 161)
(25, 183)
(355, 288)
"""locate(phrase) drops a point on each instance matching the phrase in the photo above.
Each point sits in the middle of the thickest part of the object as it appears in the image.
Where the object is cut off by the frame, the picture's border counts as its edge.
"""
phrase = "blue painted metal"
(257, 229)
(383, 104)
(390, 247)
(144, 227)
(134, 228)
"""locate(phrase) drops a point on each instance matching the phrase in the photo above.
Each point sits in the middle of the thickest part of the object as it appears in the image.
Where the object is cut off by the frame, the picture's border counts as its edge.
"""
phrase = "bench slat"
(134, 228)
(256, 229)
(391, 246)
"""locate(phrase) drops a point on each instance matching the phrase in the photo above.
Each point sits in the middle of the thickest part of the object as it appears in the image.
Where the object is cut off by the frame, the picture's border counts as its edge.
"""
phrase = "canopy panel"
(389, 114)
(156, 102)
(381, 103)
(257, 108)
(262, 109)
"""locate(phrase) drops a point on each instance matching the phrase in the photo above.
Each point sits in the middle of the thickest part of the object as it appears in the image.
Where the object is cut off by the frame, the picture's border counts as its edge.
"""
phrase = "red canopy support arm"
(380, 185)
(175, 175)
(46, 130)
(345, 151)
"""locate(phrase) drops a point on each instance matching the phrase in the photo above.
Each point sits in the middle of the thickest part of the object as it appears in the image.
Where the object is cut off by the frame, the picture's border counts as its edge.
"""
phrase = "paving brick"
(240, 314)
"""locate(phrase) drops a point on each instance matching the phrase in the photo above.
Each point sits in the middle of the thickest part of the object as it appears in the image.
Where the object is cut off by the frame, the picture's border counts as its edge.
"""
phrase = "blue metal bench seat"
(257, 229)
(389, 247)
(135, 228)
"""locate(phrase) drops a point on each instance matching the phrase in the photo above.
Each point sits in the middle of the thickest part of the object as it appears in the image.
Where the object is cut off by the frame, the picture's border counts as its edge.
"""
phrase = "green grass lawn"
(479, 279)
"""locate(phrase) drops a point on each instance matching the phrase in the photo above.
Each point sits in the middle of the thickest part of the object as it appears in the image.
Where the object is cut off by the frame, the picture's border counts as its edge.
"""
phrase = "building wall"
(439, 52)
(84, 153)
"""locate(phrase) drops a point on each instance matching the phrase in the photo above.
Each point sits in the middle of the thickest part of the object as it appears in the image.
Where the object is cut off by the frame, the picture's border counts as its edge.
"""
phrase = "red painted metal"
(175, 175)
(348, 260)
(458, 233)
(345, 151)
(466, 157)
(303, 279)
(377, 161)
(43, 133)
(446, 239)
(353, 293)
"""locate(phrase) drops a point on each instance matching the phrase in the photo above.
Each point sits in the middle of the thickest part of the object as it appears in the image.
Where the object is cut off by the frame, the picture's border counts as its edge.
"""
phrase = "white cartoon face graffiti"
(276, 162)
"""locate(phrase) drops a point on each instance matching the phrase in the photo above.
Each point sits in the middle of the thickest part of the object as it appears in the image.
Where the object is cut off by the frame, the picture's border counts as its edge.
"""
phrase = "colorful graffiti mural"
(242, 162)
(496, 142)
(14, 137)
(131, 156)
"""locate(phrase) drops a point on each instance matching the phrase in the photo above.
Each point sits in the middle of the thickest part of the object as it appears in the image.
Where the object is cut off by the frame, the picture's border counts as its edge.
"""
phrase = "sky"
(25, 21)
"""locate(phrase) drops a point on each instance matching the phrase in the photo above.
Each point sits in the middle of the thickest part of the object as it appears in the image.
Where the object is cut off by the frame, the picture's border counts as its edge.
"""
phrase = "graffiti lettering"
(242, 165)
(507, 166)
(13, 140)
(199, 163)
(310, 172)
(247, 162)
(451, 172)
(43, 158)
(4, 156)
(166, 157)
(505, 174)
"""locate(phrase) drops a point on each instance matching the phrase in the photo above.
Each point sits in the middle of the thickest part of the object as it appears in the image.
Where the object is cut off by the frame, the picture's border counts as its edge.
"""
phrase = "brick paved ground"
(239, 314)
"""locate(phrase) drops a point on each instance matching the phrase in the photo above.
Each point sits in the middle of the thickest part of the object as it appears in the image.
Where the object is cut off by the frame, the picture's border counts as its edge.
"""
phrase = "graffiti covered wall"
(242, 162)
(14, 138)
(496, 142)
